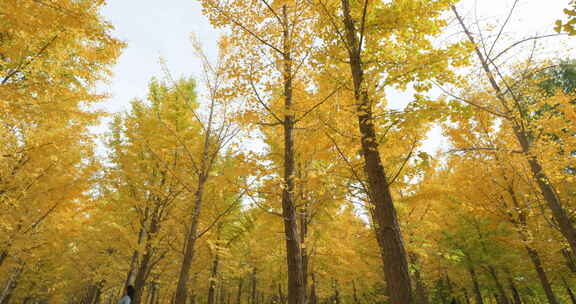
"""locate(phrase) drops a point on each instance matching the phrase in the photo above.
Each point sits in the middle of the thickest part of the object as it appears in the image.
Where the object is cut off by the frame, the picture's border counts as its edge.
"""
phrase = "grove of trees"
(281, 174)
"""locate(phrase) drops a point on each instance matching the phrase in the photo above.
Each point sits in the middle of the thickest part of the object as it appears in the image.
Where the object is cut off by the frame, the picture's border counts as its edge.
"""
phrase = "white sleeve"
(124, 300)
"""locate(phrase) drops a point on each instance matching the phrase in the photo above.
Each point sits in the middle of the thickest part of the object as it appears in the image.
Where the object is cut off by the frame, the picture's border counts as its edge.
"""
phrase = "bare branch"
(497, 113)
(318, 104)
(259, 99)
(244, 28)
(502, 28)
(362, 26)
(273, 12)
(522, 41)
(472, 149)
(404, 163)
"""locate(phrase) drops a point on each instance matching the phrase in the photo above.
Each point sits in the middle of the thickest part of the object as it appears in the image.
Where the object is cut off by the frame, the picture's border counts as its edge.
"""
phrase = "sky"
(161, 29)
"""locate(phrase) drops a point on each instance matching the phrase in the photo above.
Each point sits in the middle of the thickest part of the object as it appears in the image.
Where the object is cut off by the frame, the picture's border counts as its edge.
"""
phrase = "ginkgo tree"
(265, 179)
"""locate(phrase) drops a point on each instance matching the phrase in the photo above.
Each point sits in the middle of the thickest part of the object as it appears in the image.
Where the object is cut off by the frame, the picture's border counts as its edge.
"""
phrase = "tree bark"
(189, 247)
(313, 295)
(503, 298)
(570, 261)
(466, 297)
(304, 253)
(239, 294)
(131, 277)
(421, 295)
(336, 289)
(281, 296)
(388, 232)
(203, 173)
(475, 285)
(535, 258)
(3, 256)
(10, 285)
(296, 288)
(569, 290)
(213, 278)
(355, 293)
(515, 293)
(145, 267)
(253, 298)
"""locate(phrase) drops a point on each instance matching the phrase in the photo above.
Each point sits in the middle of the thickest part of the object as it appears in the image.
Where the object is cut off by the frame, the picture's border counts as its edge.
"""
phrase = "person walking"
(127, 299)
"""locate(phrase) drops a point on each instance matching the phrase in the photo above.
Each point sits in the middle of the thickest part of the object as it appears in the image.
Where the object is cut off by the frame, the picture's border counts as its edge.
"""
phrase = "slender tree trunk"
(193, 291)
(535, 258)
(546, 188)
(569, 257)
(515, 293)
(10, 285)
(466, 297)
(153, 294)
(296, 288)
(313, 295)
(239, 294)
(223, 292)
(144, 268)
(3, 256)
(253, 298)
(421, 295)
(189, 247)
(569, 290)
(387, 229)
(213, 278)
(281, 296)
(190, 241)
(304, 253)
(475, 285)
(140, 281)
(499, 287)
(355, 293)
(336, 289)
(131, 277)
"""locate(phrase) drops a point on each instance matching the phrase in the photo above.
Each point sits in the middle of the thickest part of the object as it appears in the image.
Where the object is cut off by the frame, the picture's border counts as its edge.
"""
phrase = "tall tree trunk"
(10, 285)
(3, 256)
(569, 257)
(153, 294)
(475, 284)
(189, 246)
(535, 258)
(336, 289)
(515, 293)
(313, 295)
(131, 277)
(521, 225)
(190, 242)
(546, 188)
(421, 294)
(193, 291)
(281, 296)
(387, 229)
(223, 293)
(213, 278)
(501, 291)
(466, 297)
(145, 266)
(304, 253)
(569, 290)
(355, 293)
(296, 288)
(253, 298)
(239, 294)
